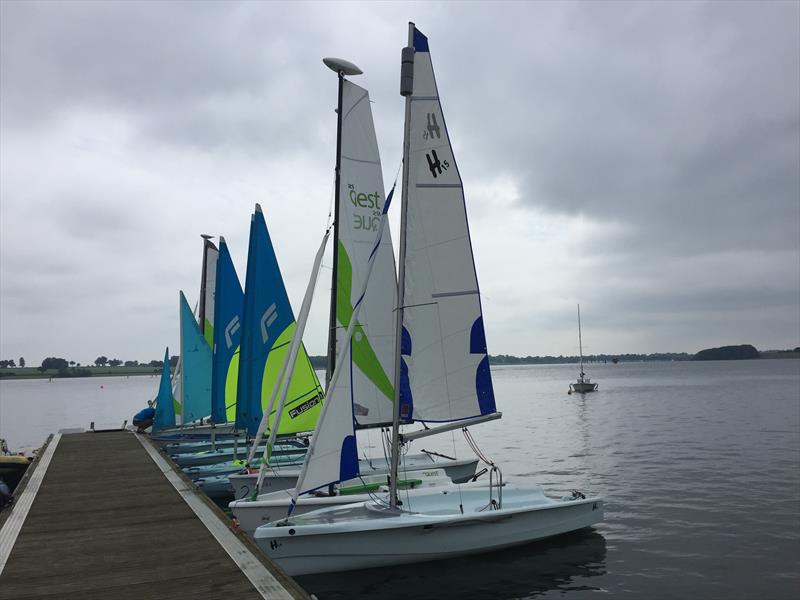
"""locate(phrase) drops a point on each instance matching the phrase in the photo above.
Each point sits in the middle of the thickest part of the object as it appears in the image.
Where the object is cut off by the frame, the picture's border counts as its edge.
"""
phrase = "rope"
(330, 204)
(474, 447)
(493, 470)
(460, 496)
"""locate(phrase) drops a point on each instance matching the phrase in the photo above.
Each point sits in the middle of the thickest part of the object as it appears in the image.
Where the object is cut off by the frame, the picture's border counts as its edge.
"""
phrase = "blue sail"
(196, 367)
(245, 405)
(165, 404)
(267, 326)
(228, 308)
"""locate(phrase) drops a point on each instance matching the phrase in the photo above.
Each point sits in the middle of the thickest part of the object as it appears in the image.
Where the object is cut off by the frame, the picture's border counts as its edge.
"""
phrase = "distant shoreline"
(14, 373)
(318, 362)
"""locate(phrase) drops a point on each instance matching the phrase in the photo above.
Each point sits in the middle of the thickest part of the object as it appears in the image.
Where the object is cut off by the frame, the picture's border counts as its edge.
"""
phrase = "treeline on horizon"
(53, 366)
(61, 367)
(724, 353)
(320, 362)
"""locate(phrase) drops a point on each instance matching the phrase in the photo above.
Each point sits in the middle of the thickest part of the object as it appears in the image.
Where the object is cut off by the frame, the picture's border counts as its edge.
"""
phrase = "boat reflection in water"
(560, 564)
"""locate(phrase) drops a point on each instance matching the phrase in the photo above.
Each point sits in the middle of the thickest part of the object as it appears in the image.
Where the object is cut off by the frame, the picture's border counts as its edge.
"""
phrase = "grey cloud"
(677, 125)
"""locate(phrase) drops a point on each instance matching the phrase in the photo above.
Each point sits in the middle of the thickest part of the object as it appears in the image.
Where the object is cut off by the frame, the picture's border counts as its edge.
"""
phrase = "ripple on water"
(701, 480)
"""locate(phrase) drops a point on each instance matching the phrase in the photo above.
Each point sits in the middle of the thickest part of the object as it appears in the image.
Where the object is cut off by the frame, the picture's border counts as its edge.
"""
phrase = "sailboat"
(224, 306)
(215, 449)
(188, 425)
(583, 384)
(441, 375)
(365, 382)
(263, 331)
(165, 401)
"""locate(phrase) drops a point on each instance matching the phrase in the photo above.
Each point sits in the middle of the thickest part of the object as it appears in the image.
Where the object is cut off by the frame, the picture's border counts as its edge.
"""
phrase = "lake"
(699, 463)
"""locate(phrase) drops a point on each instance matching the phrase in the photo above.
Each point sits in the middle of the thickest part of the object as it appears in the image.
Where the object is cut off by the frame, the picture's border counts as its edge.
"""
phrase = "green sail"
(304, 398)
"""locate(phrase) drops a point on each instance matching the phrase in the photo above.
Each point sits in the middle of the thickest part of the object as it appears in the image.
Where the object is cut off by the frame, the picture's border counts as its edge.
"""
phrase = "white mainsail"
(366, 290)
(369, 382)
(444, 346)
(332, 455)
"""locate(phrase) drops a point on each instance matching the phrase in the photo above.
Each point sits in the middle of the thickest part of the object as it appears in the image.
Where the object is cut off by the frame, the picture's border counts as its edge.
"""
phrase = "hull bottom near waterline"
(432, 527)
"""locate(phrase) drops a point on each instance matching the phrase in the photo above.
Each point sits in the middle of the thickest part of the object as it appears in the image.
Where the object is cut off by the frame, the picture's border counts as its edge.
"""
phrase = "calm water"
(699, 464)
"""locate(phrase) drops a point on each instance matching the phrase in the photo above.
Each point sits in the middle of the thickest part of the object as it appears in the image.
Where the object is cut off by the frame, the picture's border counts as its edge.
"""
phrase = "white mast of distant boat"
(580, 341)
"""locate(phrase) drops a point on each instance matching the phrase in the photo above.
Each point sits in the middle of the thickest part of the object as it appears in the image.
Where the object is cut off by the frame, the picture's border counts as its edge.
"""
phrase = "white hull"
(290, 455)
(367, 535)
(192, 432)
(251, 514)
(583, 387)
(459, 471)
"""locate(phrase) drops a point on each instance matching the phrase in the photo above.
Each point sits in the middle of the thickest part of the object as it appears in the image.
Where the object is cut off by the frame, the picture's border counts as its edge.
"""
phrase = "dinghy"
(192, 378)
(583, 384)
(251, 514)
(441, 375)
(434, 524)
(210, 457)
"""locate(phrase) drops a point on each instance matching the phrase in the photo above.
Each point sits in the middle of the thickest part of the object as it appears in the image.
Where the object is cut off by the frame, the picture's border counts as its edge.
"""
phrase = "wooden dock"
(106, 515)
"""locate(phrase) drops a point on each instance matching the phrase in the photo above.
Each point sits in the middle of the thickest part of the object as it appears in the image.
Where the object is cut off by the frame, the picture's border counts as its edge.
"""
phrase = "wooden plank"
(106, 523)
(19, 511)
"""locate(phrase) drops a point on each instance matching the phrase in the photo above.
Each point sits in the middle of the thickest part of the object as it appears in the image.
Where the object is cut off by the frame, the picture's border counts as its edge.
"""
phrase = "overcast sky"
(642, 159)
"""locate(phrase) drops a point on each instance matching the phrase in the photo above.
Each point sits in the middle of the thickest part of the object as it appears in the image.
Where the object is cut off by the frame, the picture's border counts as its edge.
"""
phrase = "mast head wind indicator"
(339, 65)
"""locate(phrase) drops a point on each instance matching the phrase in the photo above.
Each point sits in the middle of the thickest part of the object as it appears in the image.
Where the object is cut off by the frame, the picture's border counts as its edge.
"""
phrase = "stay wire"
(493, 470)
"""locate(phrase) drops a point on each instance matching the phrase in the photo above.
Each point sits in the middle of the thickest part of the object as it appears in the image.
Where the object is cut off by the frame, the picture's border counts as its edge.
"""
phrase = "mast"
(580, 341)
(335, 271)
(406, 89)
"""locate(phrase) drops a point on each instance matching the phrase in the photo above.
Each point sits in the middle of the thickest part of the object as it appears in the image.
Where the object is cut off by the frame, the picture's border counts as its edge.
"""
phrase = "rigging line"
(330, 204)
(386, 444)
(397, 173)
(494, 469)
(460, 498)
(475, 448)
(369, 444)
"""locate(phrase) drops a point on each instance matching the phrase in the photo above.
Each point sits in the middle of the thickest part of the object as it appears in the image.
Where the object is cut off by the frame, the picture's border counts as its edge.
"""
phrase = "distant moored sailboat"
(583, 384)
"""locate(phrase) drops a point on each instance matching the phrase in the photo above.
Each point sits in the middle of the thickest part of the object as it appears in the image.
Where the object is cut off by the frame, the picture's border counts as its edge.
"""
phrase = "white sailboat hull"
(251, 514)
(290, 455)
(582, 387)
(368, 535)
(459, 471)
(193, 432)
